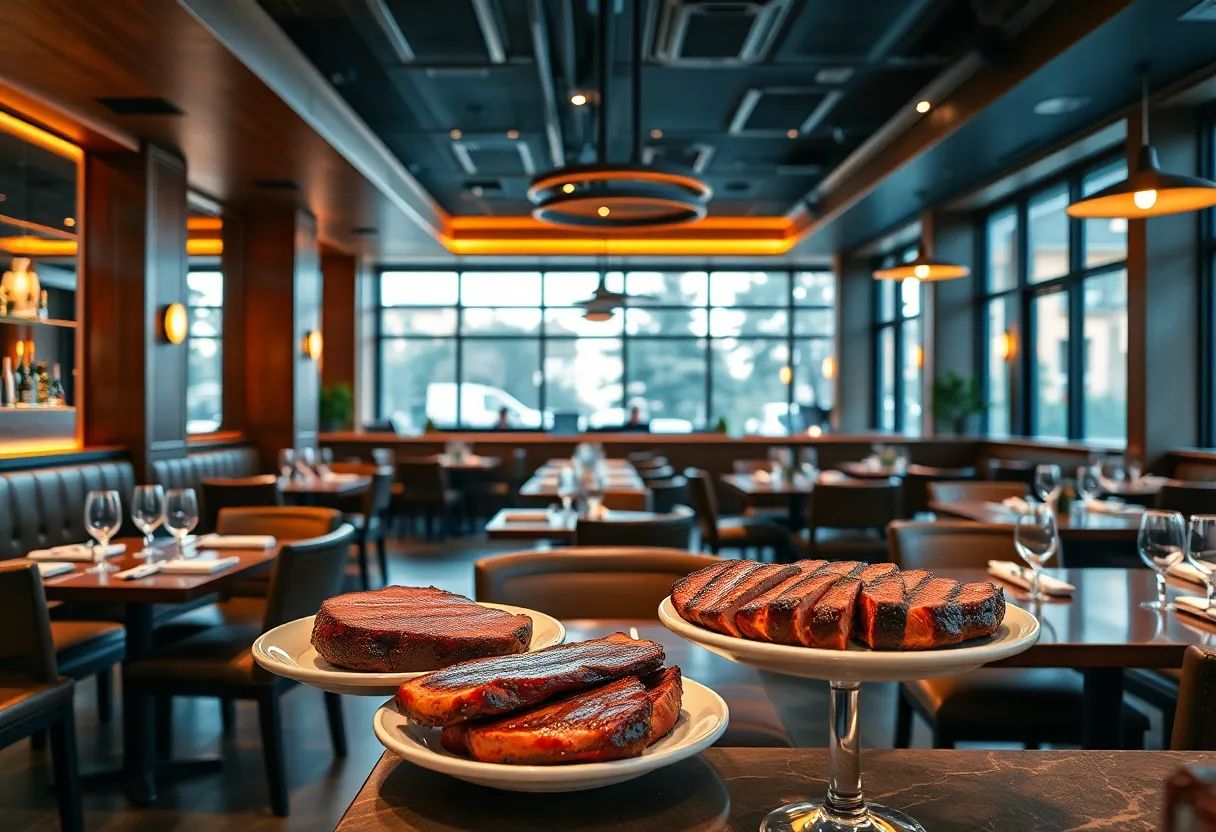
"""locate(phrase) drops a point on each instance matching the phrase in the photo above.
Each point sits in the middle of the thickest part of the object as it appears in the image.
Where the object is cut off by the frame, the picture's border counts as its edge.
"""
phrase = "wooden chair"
(367, 512)
(1195, 718)
(666, 531)
(1187, 497)
(949, 544)
(916, 484)
(34, 698)
(847, 520)
(665, 495)
(422, 490)
(975, 491)
(639, 456)
(662, 472)
(221, 493)
(281, 523)
(744, 533)
(1011, 470)
(218, 662)
(649, 464)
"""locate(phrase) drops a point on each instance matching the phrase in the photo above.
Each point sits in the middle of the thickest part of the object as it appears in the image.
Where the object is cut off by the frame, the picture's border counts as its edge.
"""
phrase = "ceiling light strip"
(392, 32)
(489, 31)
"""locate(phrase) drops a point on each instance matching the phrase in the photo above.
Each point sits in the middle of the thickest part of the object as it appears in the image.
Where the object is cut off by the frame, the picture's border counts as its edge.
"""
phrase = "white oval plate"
(287, 651)
(703, 718)
(1018, 632)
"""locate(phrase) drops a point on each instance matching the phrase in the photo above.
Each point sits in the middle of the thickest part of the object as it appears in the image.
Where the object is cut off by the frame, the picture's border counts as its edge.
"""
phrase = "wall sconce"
(787, 374)
(828, 368)
(919, 353)
(312, 345)
(1006, 346)
(176, 323)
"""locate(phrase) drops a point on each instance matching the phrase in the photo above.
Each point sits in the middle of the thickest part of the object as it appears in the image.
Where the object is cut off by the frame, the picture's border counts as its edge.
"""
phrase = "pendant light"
(1147, 192)
(923, 267)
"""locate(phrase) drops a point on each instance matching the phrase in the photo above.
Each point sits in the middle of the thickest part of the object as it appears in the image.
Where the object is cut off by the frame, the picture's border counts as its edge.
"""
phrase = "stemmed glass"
(809, 459)
(1089, 484)
(102, 520)
(1201, 550)
(567, 487)
(148, 512)
(287, 463)
(1162, 545)
(1036, 539)
(1047, 483)
(181, 515)
(593, 489)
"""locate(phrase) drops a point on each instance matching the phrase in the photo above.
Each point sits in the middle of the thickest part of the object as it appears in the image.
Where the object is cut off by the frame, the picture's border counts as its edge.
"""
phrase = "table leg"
(138, 750)
(797, 514)
(1102, 708)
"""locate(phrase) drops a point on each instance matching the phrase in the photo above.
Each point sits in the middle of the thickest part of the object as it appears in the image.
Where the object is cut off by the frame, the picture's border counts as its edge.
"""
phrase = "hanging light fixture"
(1148, 191)
(608, 196)
(923, 268)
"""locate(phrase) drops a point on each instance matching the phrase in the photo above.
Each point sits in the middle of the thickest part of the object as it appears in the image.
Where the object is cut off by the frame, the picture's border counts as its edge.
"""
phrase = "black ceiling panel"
(440, 32)
(841, 30)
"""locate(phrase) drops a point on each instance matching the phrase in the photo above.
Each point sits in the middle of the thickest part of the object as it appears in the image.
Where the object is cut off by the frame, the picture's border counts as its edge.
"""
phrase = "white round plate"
(287, 651)
(703, 718)
(1018, 632)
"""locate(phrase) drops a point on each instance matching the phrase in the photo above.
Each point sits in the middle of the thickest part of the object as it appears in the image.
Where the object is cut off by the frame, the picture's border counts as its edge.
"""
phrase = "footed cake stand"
(845, 808)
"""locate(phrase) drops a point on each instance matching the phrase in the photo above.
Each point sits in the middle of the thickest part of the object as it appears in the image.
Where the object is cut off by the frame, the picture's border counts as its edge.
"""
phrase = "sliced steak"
(666, 692)
(776, 617)
(405, 629)
(877, 571)
(830, 620)
(935, 618)
(687, 588)
(983, 606)
(720, 583)
(882, 613)
(487, 687)
(914, 578)
(719, 613)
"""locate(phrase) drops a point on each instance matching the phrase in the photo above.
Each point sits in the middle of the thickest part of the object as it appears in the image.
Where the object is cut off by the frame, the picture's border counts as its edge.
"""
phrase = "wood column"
(281, 277)
(1163, 303)
(854, 411)
(340, 274)
(134, 266)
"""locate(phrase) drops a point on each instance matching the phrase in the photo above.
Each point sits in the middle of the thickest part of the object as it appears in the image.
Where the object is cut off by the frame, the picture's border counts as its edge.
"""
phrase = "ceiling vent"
(694, 157)
(775, 111)
(716, 32)
(467, 31)
(141, 106)
(1202, 12)
(494, 155)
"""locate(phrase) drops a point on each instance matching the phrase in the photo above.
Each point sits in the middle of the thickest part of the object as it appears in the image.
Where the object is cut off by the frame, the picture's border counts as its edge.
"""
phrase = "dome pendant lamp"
(1147, 192)
(923, 267)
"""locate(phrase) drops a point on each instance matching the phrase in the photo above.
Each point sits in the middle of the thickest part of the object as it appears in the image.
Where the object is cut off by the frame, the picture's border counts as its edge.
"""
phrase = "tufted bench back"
(45, 507)
(190, 471)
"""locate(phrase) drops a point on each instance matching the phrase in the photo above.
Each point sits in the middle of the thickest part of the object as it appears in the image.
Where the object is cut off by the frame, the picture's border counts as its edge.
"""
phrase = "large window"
(204, 344)
(1053, 313)
(900, 354)
(688, 348)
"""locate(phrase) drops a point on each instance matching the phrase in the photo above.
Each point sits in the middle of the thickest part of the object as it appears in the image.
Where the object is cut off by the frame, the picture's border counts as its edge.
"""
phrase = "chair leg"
(337, 729)
(382, 556)
(228, 716)
(139, 748)
(105, 695)
(903, 722)
(272, 752)
(38, 741)
(164, 727)
(942, 740)
(67, 773)
(364, 577)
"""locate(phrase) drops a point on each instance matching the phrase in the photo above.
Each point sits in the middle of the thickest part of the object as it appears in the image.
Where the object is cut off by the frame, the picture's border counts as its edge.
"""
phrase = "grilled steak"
(935, 618)
(404, 628)
(830, 620)
(882, 613)
(718, 613)
(686, 588)
(983, 609)
(876, 572)
(774, 616)
(611, 722)
(719, 586)
(666, 693)
(488, 687)
(914, 578)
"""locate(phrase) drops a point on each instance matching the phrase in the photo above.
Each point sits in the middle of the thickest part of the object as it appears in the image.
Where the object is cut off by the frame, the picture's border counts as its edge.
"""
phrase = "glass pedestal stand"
(845, 808)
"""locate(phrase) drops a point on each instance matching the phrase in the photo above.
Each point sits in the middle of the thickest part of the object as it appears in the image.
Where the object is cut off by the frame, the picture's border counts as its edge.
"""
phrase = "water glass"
(1162, 545)
(147, 512)
(809, 462)
(1201, 549)
(1036, 538)
(1089, 483)
(102, 520)
(287, 462)
(1047, 483)
(308, 459)
(567, 487)
(181, 515)
(593, 488)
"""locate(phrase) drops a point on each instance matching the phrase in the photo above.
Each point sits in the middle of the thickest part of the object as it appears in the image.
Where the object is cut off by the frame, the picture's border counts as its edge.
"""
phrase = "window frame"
(1023, 294)
(895, 323)
(1207, 286)
(218, 339)
(790, 338)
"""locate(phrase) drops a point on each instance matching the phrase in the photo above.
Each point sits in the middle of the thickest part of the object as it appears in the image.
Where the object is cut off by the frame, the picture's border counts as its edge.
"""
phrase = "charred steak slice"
(719, 613)
(665, 690)
(877, 571)
(775, 617)
(829, 622)
(404, 628)
(882, 613)
(611, 722)
(935, 617)
(487, 687)
(914, 578)
(720, 586)
(983, 606)
(686, 588)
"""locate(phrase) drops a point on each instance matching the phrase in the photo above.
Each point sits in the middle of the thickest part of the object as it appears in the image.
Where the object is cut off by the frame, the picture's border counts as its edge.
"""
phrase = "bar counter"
(732, 789)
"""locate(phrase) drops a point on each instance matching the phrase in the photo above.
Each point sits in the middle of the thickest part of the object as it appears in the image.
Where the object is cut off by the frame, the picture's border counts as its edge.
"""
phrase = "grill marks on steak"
(983, 606)
(611, 722)
(489, 687)
(719, 612)
(402, 629)
(829, 622)
(882, 613)
(665, 690)
(775, 617)
(935, 618)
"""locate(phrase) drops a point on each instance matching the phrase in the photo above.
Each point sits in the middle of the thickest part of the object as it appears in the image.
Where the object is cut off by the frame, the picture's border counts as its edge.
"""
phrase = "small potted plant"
(337, 407)
(720, 427)
(956, 400)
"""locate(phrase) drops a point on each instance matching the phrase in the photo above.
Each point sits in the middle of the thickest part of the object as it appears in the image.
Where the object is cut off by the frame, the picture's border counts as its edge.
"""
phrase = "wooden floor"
(321, 787)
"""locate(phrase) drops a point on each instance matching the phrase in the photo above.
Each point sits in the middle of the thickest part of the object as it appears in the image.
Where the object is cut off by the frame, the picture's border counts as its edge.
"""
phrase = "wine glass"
(102, 520)
(148, 512)
(1036, 539)
(1089, 483)
(287, 462)
(308, 458)
(1162, 545)
(809, 459)
(1047, 483)
(593, 489)
(181, 515)
(567, 487)
(1201, 550)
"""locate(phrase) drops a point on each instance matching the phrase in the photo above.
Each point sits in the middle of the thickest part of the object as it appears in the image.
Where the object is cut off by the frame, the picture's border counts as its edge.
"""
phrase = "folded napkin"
(1017, 575)
(344, 476)
(236, 541)
(831, 475)
(1016, 504)
(1113, 507)
(201, 565)
(525, 516)
(1195, 605)
(1188, 572)
(49, 569)
(76, 552)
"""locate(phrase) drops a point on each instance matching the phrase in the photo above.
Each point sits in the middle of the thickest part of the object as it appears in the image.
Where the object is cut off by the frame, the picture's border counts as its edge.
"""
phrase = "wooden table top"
(342, 484)
(544, 483)
(748, 485)
(154, 589)
(470, 463)
(1089, 524)
(868, 471)
(559, 527)
(731, 790)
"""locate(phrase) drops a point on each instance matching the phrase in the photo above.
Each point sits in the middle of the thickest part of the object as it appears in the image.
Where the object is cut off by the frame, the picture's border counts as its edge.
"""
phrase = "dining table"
(470, 462)
(542, 524)
(873, 470)
(621, 481)
(332, 485)
(759, 483)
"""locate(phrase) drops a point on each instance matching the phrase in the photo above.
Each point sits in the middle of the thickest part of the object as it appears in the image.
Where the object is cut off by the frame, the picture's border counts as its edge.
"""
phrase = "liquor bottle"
(44, 383)
(56, 395)
(43, 308)
(8, 391)
(26, 388)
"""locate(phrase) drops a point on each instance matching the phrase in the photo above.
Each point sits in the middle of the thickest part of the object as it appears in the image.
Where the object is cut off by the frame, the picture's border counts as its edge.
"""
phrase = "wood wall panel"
(233, 265)
(340, 273)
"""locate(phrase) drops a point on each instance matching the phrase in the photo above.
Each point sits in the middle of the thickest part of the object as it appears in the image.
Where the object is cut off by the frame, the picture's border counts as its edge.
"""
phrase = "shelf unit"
(9, 319)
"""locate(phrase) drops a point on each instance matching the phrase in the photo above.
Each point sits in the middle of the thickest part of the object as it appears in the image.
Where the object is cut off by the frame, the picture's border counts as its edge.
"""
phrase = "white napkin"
(197, 566)
(1195, 605)
(236, 541)
(525, 516)
(1113, 507)
(76, 552)
(1017, 504)
(50, 569)
(1017, 575)
(1187, 572)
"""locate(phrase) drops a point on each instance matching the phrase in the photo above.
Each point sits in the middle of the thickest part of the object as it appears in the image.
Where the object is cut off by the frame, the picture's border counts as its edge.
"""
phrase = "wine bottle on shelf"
(56, 395)
(43, 307)
(8, 392)
(25, 385)
(44, 383)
